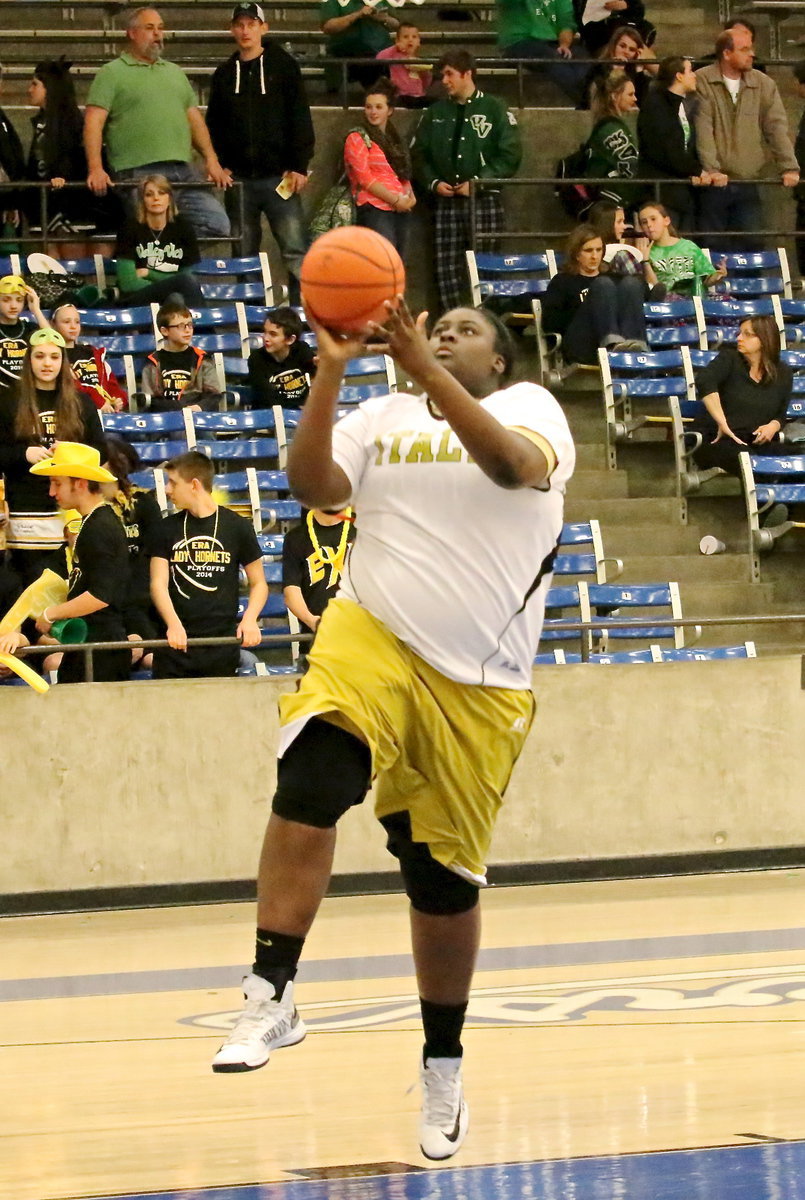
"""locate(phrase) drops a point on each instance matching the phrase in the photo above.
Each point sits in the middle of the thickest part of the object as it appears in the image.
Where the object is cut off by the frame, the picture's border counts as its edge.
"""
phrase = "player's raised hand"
(336, 347)
(405, 339)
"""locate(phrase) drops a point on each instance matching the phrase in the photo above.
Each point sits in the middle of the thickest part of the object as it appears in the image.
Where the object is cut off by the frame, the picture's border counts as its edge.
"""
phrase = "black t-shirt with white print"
(286, 383)
(177, 368)
(13, 344)
(169, 250)
(204, 556)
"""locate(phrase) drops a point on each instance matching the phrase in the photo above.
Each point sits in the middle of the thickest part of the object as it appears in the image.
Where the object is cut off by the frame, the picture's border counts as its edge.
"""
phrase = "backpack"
(576, 198)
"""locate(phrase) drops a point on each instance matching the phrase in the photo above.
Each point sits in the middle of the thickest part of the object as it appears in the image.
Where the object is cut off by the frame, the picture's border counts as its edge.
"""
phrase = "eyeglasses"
(181, 325)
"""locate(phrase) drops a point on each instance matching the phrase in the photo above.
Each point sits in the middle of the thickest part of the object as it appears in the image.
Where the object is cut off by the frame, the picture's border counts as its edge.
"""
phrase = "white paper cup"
(711, 545)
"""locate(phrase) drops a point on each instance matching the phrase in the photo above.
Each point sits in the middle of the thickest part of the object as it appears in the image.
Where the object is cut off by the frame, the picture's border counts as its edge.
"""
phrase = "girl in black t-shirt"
(155, 252)
(44, 407)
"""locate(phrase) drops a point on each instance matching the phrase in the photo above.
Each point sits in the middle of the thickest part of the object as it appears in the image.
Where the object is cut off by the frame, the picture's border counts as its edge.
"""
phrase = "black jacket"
(660, 138)
(12, 158)
(259, 117)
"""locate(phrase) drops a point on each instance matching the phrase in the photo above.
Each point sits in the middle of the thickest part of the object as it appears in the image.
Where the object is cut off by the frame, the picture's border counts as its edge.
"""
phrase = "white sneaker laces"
(442, 1096)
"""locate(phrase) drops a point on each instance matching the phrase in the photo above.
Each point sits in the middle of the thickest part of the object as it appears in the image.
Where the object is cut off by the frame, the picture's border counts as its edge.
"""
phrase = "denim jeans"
(734, 207)
(200, 207)
(286, 221)
(610, 309)
(566, 74)
(393, 226)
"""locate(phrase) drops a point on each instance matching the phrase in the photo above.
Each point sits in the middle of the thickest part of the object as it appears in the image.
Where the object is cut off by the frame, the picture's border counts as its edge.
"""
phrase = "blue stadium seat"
(755, 273)
(636, 387)
(591, 561)
(673, 323)
(509, 276)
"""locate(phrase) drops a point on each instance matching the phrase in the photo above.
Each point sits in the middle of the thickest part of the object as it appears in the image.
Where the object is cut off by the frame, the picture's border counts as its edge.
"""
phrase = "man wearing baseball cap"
(99, 577)
(260, 126)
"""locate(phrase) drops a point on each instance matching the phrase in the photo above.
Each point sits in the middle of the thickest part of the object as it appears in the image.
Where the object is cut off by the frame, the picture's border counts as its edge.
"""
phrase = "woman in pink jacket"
(378, 167)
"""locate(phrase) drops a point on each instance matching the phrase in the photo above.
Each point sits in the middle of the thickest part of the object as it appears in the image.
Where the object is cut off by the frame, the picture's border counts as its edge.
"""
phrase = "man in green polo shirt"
(145, 111)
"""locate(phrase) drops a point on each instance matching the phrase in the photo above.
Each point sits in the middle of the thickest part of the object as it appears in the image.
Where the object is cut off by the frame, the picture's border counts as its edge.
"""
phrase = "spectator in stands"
(621, 258)
(156, 252)
(42, 409)
(260, 125)
(735, 23)
(93, 375)
(598, 20)
(14, 331)
(141, 519)
(147, 111)
(684, 268)
(666, 137)
(281, 369)
(378, 166)
(740, 118)
(631, 55)
(195, 574)
(99, 574)
(314, 554)
(544, 30)
(12, 167)
(57, 156)
(180, 375)
(588, 308)
(356, 30)
(613, 150)
(412, 78)
(468, 136)
(746, 391)
(799, 150)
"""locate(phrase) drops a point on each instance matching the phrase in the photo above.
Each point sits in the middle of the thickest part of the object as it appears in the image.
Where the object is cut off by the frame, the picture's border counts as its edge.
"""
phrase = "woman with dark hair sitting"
(378, 167)
(666, 139)
(591, 309)
(155, 253)
(746, 390)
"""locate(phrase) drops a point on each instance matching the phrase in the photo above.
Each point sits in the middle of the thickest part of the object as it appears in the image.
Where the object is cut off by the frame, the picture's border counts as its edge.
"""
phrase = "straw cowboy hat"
(73, 460)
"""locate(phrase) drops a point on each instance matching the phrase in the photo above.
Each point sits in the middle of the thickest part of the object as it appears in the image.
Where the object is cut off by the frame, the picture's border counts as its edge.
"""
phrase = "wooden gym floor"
(640, 1040)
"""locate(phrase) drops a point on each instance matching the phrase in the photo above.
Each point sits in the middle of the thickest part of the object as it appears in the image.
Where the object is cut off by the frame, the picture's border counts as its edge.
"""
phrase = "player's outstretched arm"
(508, 458)
(315, 479)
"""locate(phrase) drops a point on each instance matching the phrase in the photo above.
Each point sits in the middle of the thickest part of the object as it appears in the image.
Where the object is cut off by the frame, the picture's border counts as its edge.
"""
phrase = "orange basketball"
(346, 276)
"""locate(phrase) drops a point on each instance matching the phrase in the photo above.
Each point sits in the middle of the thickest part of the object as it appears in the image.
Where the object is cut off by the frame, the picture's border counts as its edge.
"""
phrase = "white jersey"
(445, 558)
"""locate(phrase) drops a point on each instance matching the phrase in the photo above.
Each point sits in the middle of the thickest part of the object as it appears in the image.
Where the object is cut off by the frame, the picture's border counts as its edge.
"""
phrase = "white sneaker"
(264, 1025)
(445, 1119)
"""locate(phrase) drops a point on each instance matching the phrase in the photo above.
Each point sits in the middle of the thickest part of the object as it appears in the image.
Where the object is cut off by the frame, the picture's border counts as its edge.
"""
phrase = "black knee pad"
(324, 771)
(430, 886)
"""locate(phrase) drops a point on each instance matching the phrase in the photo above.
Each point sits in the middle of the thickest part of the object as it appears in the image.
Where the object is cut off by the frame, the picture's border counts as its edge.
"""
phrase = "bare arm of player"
(248, 630)
(176, 632)
(508, 458)
(315, 479)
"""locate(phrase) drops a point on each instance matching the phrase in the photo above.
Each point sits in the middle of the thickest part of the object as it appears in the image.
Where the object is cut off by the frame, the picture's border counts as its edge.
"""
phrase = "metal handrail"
(580, 627)
(611, 181)
(45, 189)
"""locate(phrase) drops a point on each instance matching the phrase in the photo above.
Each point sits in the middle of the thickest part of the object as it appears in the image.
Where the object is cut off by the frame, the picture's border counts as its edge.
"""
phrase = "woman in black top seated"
(591, 309)
(156, 252)
(746, 393)
(666, 138)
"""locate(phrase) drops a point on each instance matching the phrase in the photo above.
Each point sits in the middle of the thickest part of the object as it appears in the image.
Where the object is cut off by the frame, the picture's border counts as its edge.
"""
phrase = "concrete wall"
(108, 785)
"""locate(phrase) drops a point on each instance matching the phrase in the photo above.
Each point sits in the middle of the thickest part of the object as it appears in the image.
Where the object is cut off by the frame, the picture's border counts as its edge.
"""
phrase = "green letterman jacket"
(454, 142)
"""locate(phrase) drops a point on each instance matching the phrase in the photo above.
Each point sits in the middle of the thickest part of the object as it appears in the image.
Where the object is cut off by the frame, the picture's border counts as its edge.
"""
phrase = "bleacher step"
(651, 511)
(598, 484)
(687, 569)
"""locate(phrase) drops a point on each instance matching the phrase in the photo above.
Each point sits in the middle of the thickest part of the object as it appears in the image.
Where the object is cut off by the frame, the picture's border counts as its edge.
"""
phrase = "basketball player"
(421, 670)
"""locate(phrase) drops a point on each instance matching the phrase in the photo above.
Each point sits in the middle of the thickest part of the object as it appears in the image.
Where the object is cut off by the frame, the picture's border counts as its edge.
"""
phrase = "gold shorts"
(442, 751)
